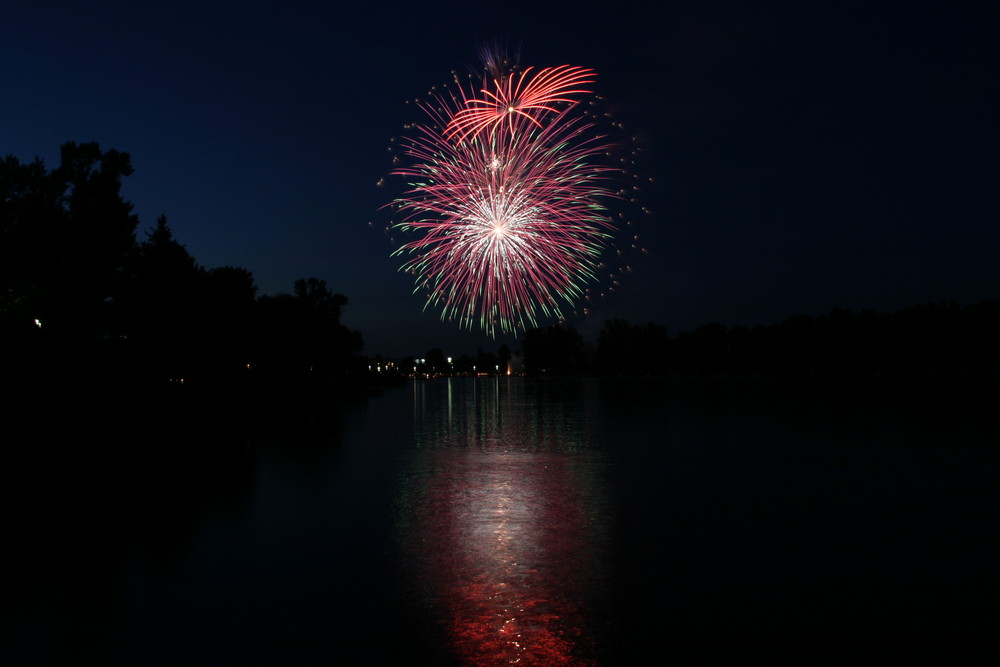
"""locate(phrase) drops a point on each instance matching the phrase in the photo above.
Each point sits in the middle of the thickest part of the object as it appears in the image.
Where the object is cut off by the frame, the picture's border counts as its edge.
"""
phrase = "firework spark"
(507, 191)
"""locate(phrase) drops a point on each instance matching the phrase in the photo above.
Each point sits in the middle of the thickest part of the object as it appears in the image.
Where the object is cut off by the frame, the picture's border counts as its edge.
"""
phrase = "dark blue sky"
(805, 158)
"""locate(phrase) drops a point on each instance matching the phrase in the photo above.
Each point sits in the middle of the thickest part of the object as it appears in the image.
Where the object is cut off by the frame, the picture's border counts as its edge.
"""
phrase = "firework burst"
(507, 192)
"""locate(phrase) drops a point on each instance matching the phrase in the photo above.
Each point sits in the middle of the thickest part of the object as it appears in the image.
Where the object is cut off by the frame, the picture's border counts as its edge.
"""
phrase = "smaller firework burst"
(523, 95)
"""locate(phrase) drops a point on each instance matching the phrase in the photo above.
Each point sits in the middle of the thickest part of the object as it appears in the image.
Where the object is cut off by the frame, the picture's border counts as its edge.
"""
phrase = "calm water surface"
(500, 521)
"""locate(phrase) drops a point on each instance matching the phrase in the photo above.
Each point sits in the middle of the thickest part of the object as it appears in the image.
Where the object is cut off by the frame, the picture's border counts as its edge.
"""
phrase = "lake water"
(494, 521)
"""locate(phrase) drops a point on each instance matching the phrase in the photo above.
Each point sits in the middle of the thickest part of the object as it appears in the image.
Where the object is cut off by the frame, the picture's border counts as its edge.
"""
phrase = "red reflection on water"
(507, 550)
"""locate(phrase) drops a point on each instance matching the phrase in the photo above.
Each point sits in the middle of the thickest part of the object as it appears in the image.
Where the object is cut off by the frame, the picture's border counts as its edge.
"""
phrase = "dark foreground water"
(531, 522)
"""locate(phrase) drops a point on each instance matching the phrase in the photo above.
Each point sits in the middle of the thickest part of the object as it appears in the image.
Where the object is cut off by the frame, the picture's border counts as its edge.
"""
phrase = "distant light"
(38, 323)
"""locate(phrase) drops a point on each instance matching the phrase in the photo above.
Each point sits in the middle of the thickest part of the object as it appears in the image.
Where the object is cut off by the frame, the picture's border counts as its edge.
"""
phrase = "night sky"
(806, 156)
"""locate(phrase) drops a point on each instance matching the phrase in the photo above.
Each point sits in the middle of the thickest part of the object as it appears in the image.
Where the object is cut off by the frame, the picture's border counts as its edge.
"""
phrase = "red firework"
(506, 192)
(519, 95)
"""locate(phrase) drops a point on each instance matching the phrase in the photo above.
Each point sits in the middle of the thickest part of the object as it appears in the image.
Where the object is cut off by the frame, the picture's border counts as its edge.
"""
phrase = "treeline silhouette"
(942, 340)
(136, 385)
(90, 315)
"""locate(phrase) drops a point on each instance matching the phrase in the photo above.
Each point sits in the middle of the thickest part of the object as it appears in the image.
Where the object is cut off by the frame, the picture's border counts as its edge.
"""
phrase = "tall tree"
(162, 305)
(67, 234)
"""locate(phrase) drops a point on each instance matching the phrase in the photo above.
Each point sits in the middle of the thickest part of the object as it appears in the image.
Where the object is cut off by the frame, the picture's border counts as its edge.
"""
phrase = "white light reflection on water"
(503, 517)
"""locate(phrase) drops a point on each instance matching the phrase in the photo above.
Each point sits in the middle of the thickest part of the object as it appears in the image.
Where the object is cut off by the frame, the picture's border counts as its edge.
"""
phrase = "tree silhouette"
(557, 350)
(227, 320)
(161, 306)
(301, 334)
(94, 238)
(626, 349)
(66, 236)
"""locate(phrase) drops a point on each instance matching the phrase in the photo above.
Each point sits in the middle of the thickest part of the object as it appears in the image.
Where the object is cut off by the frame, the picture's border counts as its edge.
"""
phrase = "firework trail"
(507, 184)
